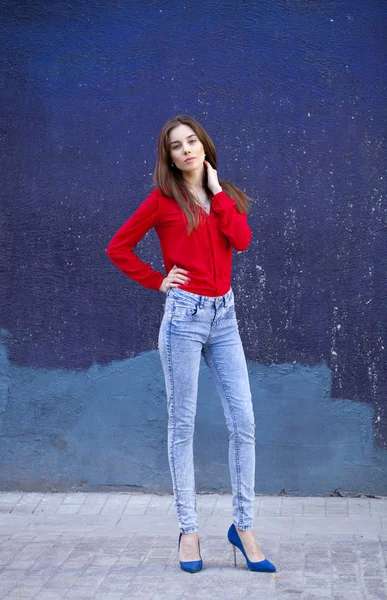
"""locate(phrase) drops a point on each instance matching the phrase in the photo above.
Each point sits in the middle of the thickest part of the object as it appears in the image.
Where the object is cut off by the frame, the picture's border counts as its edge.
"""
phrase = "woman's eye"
(177, 147)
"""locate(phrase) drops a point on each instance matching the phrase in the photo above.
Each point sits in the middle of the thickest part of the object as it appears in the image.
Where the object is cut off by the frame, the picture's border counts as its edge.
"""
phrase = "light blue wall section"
(106, 427)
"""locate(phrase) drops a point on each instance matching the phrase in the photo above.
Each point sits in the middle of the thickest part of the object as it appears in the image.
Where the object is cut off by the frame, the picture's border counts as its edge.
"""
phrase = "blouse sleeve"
(233, 224)
(121, 246)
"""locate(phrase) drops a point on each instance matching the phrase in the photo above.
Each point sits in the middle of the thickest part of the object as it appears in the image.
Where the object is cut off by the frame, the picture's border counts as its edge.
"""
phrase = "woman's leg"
(225, 358)
(180, 353)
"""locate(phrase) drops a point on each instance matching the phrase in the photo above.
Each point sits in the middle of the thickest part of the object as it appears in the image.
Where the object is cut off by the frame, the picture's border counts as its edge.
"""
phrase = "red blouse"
(206, 253)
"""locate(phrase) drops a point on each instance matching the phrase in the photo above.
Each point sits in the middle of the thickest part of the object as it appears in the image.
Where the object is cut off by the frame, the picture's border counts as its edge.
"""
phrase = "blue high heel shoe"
(235, 540)
(192, 566)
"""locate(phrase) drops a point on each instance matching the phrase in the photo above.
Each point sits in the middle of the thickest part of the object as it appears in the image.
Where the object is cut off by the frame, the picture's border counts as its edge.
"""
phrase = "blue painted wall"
(293, 94)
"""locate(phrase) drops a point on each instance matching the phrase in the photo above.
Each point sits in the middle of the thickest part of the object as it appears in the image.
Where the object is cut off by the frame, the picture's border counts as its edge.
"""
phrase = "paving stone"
(354, 595)
(257, 582)
(91, 543)
(315, 581)
(6, 507)
(89, 509)
(116, 504)
(292, 507)
(20, 592)
(55, 556)
(67, 509)
(23, 565)
(292, 595)
(53, 497)
(290, 580)
(103, 595)
(157, 504)
(11, 497)
(76, 498)
(137, 593)
(317, 594)
(62, 580)
(269, 506)
(103, 561)
(314, 511)
(112, 588)
(52, 594)
(81, 592)
(96, 498)
(6, 556)
(10, 576)
(170, 590)
(347, 569)
(248, 594)
(38, 575)
(206, 500)
(203, 589)
(375, 587)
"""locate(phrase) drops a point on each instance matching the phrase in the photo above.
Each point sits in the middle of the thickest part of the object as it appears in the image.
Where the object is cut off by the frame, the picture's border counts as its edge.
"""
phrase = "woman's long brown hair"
(169, 180)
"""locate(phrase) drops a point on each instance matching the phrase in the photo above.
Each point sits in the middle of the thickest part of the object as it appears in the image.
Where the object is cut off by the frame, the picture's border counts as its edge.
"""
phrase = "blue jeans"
(192, 326)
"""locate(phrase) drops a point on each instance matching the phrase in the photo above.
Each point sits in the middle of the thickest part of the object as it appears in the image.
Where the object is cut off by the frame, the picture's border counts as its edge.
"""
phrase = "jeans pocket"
(184, 311)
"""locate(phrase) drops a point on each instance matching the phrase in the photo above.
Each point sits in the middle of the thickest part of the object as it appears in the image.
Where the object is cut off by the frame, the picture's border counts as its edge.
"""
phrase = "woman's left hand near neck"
(212, 178)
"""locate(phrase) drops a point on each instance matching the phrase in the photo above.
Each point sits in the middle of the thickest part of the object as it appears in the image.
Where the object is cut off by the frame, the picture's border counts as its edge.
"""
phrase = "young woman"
(199, 220)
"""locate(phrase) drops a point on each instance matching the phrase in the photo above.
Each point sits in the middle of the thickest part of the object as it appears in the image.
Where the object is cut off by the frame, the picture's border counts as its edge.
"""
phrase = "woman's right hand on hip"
(175, 278)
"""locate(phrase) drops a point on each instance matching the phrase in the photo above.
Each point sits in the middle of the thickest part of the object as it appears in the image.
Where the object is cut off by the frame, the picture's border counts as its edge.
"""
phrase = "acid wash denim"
(192, 326)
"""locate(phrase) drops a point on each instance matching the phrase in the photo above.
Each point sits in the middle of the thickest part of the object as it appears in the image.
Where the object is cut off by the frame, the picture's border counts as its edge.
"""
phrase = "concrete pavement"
(121, 546)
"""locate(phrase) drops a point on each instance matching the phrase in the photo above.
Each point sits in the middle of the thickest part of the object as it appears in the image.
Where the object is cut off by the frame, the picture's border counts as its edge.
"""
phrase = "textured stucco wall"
(293, 94)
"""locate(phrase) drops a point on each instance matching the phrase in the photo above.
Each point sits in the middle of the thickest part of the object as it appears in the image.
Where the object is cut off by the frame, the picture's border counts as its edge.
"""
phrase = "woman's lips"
(189, 159)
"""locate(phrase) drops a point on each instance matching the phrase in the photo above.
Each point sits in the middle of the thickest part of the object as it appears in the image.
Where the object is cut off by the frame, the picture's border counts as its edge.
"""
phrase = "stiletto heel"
(192, 566)
(235, 564)
(235, 540)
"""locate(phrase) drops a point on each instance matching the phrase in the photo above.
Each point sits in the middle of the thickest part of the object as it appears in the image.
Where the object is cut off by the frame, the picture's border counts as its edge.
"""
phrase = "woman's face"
(185, 144)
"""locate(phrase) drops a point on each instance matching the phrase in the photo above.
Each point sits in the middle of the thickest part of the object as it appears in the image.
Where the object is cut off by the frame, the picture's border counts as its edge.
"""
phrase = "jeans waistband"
(226, 299)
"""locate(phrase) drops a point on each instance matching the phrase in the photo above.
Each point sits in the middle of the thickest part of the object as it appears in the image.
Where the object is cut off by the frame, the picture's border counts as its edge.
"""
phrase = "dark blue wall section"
(293, 95)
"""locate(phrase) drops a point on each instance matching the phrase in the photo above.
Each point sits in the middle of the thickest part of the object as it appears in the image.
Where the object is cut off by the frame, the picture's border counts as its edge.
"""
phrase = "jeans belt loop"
(229, 296)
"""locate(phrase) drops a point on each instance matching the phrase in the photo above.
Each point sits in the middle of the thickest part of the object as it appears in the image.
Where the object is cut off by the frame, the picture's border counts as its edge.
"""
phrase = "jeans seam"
(172, 417)
(235, 425)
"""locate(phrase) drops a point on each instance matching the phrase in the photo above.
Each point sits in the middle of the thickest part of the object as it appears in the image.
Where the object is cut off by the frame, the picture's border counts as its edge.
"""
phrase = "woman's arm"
(233, 224)
(120, 248)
